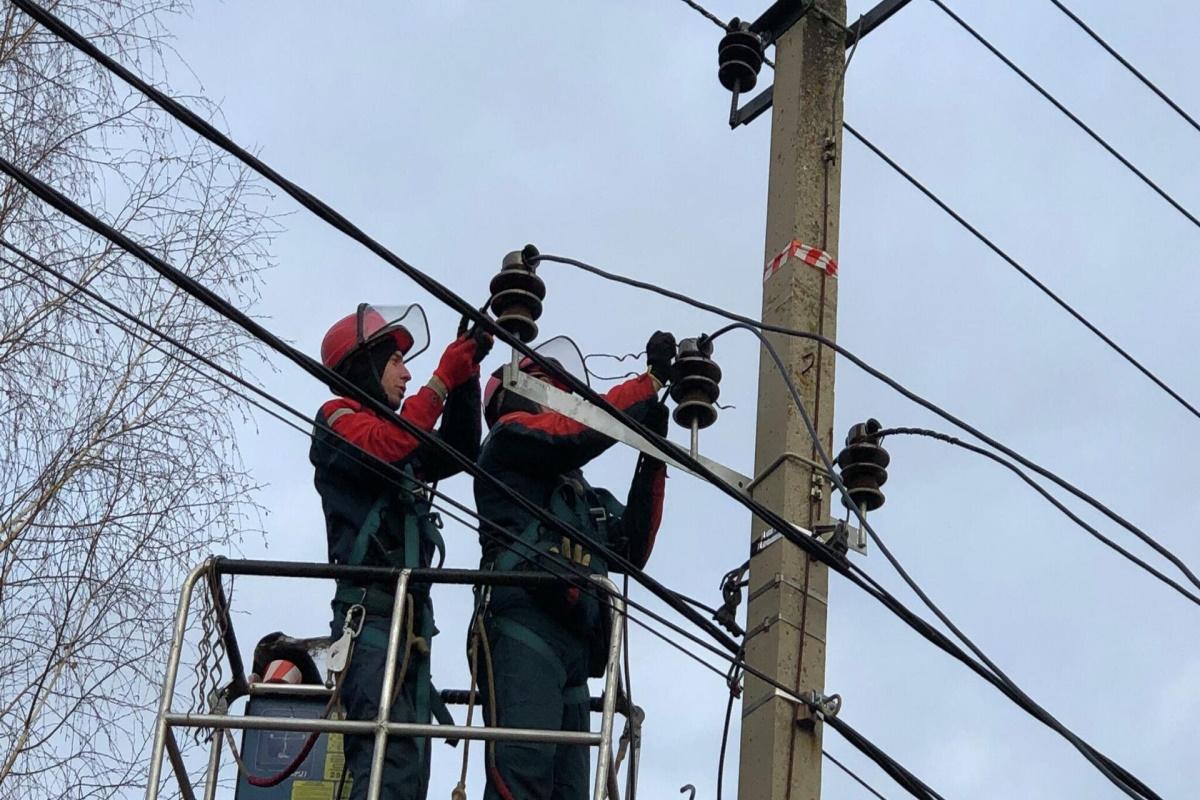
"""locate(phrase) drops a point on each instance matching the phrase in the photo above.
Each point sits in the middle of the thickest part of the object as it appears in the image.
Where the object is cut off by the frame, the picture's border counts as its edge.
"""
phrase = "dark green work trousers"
(406, 759)
(540, 671)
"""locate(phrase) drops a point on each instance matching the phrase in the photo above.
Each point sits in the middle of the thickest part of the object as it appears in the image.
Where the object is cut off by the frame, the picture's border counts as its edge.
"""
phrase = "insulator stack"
(739, 57)
(695, 385)
(863, 463)
(517, 294)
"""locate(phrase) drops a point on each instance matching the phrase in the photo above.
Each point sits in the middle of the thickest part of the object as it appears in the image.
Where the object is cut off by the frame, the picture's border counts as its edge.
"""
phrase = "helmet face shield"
(406, 323)
(560, 351)
(563, 353)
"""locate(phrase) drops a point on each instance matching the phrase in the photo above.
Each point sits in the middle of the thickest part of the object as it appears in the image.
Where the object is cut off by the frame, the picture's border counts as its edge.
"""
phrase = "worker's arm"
(550, 443)
(634, 531)
(383, 438)
(460, 429)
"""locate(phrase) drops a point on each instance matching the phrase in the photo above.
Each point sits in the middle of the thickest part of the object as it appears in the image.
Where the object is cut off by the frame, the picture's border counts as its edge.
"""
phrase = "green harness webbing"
(421, 524)
(503, 626)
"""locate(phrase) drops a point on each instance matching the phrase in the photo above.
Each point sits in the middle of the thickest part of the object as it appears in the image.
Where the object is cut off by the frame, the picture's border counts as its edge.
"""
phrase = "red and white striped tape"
(281, 671)
(813, 256)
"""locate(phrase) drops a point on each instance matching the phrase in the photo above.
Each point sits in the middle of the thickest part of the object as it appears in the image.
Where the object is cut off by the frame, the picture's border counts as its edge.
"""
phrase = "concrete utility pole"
(788, 592)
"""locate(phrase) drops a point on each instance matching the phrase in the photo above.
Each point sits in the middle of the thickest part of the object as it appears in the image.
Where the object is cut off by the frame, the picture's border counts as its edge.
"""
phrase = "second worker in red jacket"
(546, 643)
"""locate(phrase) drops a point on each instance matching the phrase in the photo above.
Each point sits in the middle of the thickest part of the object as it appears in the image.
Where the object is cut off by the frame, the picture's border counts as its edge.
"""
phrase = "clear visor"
(565, 354)
(406, 323)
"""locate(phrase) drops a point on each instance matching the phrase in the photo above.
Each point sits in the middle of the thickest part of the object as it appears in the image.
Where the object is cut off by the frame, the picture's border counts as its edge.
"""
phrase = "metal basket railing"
(212, 570)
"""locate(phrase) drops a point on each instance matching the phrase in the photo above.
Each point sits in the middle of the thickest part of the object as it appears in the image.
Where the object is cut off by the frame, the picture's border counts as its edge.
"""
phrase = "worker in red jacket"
(545, 643)
(374, 519)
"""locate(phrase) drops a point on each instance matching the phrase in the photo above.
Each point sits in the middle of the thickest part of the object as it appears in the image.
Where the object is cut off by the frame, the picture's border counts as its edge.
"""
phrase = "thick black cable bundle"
(389, 472)
(810, 545)
(185, 282)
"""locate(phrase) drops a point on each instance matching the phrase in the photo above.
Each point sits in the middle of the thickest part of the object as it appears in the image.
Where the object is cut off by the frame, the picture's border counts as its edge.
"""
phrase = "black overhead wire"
(1069, 114)
(1125, 63)
(715, 20)
(1029, 276)
(1054, 501)
(1121, 777)
(852, 774)
(1118, 775)
(348, 389)
(896, 386)
(1012, 262)
(382, 469)
(810, 545)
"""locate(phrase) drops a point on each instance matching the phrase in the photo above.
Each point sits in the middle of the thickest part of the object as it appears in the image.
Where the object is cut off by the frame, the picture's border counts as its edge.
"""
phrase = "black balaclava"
(364, 367)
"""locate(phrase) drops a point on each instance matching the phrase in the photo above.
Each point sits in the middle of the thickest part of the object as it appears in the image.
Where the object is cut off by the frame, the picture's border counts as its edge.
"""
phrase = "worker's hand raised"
(660, 355)
(459, 362)
(657, 418)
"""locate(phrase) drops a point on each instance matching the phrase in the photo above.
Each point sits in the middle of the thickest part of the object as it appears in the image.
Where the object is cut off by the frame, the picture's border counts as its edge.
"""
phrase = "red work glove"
(458, 364)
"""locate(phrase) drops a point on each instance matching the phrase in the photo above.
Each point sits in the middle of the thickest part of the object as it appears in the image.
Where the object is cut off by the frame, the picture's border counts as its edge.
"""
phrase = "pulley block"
(517, 294)
(863, 463)
(695, 384)
(739, 57)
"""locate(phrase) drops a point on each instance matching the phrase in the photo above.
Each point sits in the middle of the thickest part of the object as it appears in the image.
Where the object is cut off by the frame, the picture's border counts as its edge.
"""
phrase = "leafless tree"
(118, 466)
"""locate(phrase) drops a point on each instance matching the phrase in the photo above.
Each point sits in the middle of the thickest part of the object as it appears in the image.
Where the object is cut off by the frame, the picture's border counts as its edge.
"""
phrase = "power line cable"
(380, 468)
(56, 199)
(813, 546)
(1069, 114)
(366, 459)
(1025, 273)
(1118, 775)
(715, 20)
(1125, 63)
(991, 245)
(895, 386)
(852, 774)
(946, 438)
(704, 12)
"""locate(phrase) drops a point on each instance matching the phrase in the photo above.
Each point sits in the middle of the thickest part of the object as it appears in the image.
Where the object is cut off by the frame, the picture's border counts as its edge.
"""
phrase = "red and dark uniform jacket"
(536, 453)
(350, 483)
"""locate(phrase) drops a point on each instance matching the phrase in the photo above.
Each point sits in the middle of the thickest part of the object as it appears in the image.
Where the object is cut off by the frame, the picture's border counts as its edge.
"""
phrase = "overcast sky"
(456, 131)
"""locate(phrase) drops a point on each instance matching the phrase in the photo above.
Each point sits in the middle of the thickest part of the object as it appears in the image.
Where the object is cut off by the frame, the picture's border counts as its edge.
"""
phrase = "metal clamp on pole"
(820, 707)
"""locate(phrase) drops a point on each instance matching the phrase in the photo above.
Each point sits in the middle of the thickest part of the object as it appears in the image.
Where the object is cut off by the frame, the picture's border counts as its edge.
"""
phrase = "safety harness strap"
(576, 695)
(504, 626)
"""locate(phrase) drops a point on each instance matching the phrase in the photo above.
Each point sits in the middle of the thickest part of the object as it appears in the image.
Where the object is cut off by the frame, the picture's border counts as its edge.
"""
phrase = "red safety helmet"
(561, 351)
(370, 323)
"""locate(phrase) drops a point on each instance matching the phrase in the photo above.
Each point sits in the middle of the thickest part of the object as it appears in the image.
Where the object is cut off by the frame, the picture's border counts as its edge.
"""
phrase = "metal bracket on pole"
(838, 534)
(819, 707)
(765, 99)
(597, 419)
